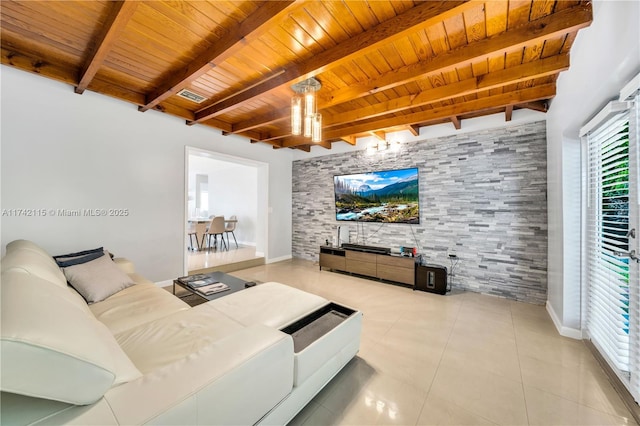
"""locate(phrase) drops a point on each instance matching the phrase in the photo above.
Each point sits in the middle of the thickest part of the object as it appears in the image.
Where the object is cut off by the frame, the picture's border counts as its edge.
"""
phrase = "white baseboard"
(165, 283)
(278, 259)
(244, 243)
(564, 331)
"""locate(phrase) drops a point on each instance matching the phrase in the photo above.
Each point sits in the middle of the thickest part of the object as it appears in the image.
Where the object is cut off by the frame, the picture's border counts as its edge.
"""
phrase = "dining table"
(201, 224)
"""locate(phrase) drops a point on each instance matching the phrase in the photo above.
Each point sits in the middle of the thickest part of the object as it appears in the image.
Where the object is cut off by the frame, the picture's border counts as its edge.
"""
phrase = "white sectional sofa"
(143, 356)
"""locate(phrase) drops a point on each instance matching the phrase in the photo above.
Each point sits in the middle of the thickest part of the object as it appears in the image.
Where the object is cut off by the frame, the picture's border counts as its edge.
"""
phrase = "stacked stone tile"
(482, 197)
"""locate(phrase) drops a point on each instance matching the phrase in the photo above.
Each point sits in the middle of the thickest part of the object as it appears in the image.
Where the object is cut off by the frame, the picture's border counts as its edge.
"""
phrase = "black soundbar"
(367, 249)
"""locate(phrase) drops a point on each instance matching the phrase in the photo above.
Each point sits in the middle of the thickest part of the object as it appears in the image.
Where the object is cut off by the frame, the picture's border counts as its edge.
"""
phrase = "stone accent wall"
(482, 197)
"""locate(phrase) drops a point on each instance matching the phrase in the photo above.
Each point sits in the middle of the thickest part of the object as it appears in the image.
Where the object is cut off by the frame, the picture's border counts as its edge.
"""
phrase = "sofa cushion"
(125, 264)
(25, 410)
(97, 279)
(158, 343)
(26, 244)
(233, 381)
(272, 304)
(78, 258)
(124, 367)
(28, 257)
(53, 349)
(136, 305)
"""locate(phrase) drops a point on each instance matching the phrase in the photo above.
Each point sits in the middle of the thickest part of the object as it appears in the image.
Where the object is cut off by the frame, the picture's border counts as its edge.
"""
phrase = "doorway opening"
(223, 185)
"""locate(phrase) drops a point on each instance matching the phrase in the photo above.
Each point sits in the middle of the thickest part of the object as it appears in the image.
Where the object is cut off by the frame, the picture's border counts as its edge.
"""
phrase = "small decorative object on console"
(408, 251)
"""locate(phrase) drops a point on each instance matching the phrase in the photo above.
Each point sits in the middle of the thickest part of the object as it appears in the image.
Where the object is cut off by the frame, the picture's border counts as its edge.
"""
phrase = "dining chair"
(193, 233)
(230, 227)
(216, 227)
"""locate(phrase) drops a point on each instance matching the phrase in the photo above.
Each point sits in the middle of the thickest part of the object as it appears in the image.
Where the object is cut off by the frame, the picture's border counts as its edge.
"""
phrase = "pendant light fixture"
(296, 115)
(307, 122)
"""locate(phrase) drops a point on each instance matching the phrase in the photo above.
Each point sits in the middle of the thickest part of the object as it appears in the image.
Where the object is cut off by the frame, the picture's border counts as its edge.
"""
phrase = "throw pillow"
(78, 258)
(97, 279)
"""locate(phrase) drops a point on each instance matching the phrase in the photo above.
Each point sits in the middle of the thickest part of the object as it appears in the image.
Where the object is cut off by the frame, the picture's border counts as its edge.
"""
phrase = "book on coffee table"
(213, 288)
(197, 281)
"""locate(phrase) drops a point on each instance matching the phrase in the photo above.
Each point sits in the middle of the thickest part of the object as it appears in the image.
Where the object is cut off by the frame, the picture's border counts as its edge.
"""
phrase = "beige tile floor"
(459, 359)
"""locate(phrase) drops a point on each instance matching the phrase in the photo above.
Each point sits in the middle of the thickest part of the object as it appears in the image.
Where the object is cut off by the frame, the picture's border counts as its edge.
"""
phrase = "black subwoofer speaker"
(431, 278)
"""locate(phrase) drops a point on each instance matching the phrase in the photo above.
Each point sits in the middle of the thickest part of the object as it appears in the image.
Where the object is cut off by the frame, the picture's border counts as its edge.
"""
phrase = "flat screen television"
(388, 196)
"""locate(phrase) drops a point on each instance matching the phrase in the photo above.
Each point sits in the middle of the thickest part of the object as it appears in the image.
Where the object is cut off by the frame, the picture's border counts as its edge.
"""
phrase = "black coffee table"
(235, 284)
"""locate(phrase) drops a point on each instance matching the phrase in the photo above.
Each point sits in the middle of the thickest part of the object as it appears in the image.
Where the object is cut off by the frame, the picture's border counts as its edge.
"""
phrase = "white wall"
(603, 58)
(61, 150)
(233, 190)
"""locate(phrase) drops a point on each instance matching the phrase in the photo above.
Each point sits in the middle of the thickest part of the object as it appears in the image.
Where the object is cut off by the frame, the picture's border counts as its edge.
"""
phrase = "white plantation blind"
(612, 287)
(634, 222)
(607, 225)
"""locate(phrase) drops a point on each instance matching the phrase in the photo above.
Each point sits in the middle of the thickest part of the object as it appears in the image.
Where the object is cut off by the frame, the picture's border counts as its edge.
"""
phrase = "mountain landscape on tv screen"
(389, 196)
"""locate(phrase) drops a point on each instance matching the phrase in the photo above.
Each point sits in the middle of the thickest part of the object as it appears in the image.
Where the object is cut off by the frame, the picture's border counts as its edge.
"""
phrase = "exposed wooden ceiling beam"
(547, 27)
(351, 140)
(252, 135)
(33, 64)
(293, 142)
(324, 144)
(274, 144)
(541, 106)
(537, 31)
(262, 120)
(415, 130)
(296, 141)
(13, 39)
(508, 112)
(496, 79)
(120, 14)
(62, 73)
(380, 135)
(436, 114)
(421, 16)
(66, 74)
(100, 86)
(87, 57)
(252, 27)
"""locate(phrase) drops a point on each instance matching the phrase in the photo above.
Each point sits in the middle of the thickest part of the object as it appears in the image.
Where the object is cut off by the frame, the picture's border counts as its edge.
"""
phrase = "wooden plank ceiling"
(383, 65)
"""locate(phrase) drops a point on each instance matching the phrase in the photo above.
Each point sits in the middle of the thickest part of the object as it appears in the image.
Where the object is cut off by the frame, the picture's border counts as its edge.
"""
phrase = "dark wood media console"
(374, 262)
